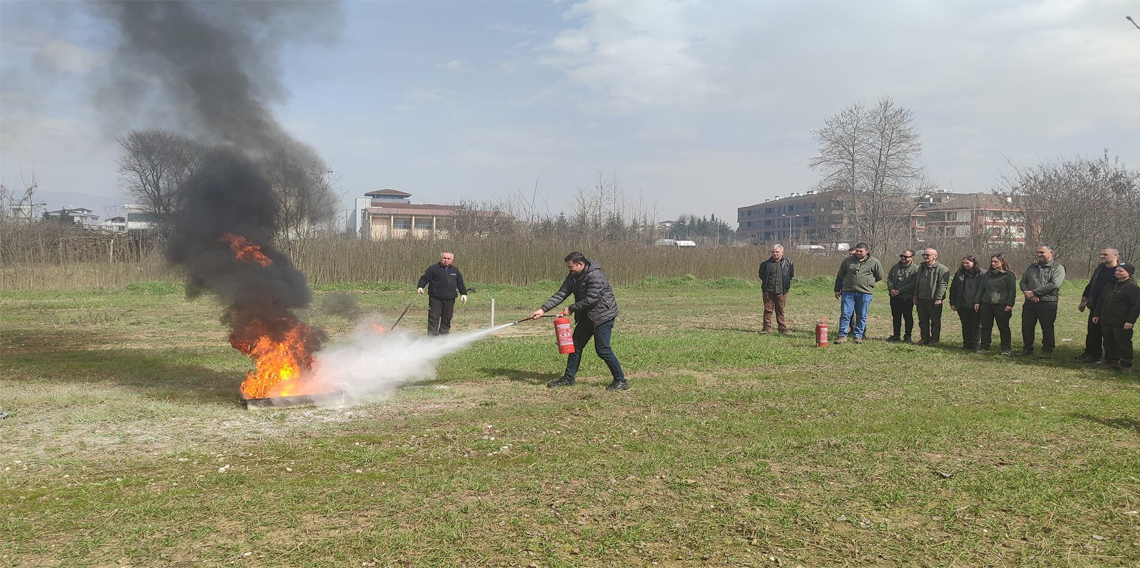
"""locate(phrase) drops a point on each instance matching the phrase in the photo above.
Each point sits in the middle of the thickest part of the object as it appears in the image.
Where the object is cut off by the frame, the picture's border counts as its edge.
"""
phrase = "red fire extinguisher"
(565, 335)
(821, 333)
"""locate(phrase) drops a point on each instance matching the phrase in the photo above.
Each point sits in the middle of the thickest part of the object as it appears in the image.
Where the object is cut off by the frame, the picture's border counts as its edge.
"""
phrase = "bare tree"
(21, 205)
(1079, 205)
(870, 160)
(304, 196)
(153, 166)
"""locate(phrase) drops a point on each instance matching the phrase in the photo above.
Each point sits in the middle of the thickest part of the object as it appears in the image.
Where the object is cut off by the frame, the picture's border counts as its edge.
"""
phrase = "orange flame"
(379, 328)
(244, 250)
(282, 359)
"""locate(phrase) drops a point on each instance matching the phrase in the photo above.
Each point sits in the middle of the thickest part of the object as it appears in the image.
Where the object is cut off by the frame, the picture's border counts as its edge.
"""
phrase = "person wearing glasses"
(1103, 277)
(902, 305)
(929, 288)
(994, 303)
(854, 284)
(1041, 285)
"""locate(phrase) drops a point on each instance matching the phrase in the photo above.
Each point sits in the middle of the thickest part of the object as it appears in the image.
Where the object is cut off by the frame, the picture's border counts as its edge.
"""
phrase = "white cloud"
(455, 65)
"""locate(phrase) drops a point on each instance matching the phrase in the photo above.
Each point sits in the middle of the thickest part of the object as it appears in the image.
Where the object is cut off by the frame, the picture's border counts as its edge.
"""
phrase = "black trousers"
(439, 315)
(902, 309)
(971, 322)
(1031, 314)
(1118, 344)
(1094, 338)
(988, 314)
(929, 320)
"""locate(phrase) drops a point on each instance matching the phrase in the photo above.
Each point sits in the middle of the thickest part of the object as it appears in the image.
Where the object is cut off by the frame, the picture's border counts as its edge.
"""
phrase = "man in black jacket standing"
(776, 275)
(595, 309)
(1102, 277)
(443, 281)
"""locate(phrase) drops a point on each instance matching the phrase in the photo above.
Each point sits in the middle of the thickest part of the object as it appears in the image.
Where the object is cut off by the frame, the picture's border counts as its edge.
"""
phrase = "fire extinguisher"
(564, 334)
(821, 333)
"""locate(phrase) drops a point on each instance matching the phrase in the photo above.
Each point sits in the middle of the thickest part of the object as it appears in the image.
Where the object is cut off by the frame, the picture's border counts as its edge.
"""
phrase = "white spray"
(370, 364)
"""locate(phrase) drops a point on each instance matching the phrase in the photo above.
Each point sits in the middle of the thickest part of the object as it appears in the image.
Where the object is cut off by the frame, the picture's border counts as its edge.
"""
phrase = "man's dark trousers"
(1094, 339)
(1118, 345)
(902, 309)
(583, 331)
(929, 320)
(1033, 312)
(439, 315)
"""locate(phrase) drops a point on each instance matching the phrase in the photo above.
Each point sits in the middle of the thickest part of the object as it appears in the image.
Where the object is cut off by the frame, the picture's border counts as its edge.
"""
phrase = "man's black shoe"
(893, 339)
(618, 385)
(561, 382)
(1089, 359)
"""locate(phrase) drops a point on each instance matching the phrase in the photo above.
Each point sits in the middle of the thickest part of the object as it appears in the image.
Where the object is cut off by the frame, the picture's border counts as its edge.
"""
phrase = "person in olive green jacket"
(929, 289)
(963, 288)
(854, 284)
(1041, 285)
(994, 303)
(902, 305)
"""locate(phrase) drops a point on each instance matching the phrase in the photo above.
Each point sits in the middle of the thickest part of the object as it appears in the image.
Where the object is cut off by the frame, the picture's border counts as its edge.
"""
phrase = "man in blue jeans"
(854, 284)
(595, 309)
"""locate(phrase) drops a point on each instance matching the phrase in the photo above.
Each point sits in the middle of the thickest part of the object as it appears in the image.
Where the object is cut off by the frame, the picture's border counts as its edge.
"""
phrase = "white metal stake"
(492, 312)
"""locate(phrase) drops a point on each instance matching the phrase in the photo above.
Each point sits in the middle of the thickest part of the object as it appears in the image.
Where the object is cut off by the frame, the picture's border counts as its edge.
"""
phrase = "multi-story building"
(980, 217)
(814, 218)
(810, 218)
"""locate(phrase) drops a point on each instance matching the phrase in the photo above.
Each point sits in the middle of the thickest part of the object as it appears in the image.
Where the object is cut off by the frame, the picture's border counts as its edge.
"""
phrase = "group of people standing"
(982, 299)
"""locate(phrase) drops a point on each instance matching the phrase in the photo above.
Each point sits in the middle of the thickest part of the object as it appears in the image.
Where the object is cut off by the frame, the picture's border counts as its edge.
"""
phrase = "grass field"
(126, 445)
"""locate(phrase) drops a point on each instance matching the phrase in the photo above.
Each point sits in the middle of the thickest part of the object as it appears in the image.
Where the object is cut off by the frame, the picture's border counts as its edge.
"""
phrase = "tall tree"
(153, 165)
(1079, 205)
(870, 158)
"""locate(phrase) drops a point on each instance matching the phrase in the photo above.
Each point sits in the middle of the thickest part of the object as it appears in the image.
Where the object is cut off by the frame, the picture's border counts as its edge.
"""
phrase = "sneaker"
(893, 339)
(1108, 364)
(1125, 370)
(907, 339)
(618, 385)
(1089, 359)
(858, 340)
(932, 343)
(980, 350)
(841, 339)
(561, 382)
(785, 332)
(1045, 355)
(1082, 357)
(766, 330)
(1005, 352)
(1026, 352)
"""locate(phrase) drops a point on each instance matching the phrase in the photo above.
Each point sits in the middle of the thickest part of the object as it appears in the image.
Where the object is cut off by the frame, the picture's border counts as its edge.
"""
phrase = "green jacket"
(1044, 279)
(859, 277)
(929, 283)
(997, 287)
(963, 288)
(900, 276)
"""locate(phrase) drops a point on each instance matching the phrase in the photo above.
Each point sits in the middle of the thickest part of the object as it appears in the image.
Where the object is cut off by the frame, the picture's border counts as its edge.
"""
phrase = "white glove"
(464, 298)
(420, 291)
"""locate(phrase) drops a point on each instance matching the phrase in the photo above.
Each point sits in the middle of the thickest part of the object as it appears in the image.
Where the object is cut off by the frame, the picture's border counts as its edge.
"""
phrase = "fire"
(244, 250)
(281, 347)
(379, 328)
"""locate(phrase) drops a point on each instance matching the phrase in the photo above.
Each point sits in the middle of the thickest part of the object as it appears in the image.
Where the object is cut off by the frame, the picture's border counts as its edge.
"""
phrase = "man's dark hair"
(576, 257)
(863, 246)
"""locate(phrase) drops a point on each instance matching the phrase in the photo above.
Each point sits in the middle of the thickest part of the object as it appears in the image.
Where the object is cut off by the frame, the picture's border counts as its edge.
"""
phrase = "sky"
(693, 107)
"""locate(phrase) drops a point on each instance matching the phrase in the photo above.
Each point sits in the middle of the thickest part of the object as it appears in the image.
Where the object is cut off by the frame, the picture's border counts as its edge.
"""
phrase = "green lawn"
(126, 445)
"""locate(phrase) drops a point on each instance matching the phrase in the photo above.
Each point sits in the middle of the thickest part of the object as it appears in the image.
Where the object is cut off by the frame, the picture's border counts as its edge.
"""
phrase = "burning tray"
(318, 399)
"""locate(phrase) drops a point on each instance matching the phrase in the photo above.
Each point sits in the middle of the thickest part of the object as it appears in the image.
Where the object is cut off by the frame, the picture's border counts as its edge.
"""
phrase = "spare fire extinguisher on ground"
(821, 333)
(565, 335)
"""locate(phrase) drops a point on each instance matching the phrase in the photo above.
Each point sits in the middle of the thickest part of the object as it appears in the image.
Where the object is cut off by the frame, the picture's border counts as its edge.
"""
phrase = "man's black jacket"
(442, 282)
(593, 296)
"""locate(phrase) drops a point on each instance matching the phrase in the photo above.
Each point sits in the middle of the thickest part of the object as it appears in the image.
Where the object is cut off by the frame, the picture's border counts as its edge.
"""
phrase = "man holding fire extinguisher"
(595, 309)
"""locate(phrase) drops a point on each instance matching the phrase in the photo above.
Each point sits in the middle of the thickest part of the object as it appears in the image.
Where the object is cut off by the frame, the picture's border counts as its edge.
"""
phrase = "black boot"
(563, 381)
(618, 385)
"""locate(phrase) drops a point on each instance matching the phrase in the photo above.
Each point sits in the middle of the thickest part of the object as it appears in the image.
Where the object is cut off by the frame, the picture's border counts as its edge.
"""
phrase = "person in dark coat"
(444, 283)
(963, 288)
(1103, 276)
(1116, 312)
(595, 310)
(776, 275)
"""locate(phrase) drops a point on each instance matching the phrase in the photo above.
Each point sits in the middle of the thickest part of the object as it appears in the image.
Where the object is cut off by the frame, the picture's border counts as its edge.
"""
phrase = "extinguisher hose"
(542, 316)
